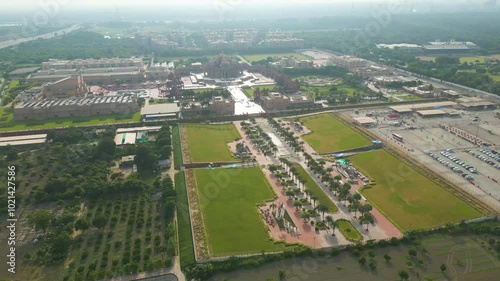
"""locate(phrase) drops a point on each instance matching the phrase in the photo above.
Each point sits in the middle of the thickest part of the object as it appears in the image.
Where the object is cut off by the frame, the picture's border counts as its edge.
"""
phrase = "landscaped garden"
(208, 143)
(405, 196)
(315, 189)
(249, 91)
(348, 230)
(330, 135)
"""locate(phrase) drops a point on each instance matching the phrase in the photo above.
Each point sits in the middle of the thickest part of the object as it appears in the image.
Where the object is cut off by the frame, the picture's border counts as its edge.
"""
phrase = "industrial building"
(160, 111)
(127, 70)
(75, 107)
(449, 47)
(402, 109)
(365, 121)
(73, 86)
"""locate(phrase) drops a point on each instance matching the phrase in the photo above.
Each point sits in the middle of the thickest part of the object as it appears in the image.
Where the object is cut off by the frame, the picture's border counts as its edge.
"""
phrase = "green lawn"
(177, 150)
(9, 125)
(249, 91)
(228, 199)
(208, 143)
(13, 84)
(495, 78)
(186, 246)
(330, 135)
(410, 97)
(348, 230)
(251, 58)
(315, 190)
(475, 59)
(408, 198)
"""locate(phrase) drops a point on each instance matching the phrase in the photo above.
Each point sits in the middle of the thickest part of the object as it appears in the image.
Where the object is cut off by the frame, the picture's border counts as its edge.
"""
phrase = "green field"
(408, 198)
(208, 143)
(348, 230)
(177, 149)
(315, 190)
(186, 246)
(228, 199)
(495, 78)
(330, 135)
(13, 84)
(249, 91)
(476, 59)
(8, 124)
(251, 58)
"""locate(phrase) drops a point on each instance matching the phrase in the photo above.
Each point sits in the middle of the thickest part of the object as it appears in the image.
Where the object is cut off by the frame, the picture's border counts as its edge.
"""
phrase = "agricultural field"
(251, 58)
(250, 91)
(330, 135)
(208, 143)
(315, 190)
(7, 122)
(228, 203)
(408, 198)
(348, 230)
(466, 258)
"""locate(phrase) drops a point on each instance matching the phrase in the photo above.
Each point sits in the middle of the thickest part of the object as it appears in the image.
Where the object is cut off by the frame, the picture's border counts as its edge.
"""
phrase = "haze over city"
(228, 140)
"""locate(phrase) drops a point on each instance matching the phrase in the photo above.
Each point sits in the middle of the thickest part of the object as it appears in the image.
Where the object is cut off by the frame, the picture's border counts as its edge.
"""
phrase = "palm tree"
(354, 207)
(367, 218)
(323, 209)
(356, 196)
(313, 198)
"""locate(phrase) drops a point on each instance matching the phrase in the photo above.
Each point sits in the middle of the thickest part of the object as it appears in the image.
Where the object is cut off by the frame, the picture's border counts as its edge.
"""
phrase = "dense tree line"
(78, 44)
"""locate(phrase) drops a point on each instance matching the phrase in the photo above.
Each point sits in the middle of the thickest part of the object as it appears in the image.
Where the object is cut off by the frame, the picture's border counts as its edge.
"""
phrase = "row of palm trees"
(341, 191)
(287, 135)
(259, 138)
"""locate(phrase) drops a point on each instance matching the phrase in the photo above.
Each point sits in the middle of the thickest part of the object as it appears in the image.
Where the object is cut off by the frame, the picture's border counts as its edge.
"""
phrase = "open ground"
(466, 258)
(228, 199)
(208, 143)
(330, 135)
(408, 198)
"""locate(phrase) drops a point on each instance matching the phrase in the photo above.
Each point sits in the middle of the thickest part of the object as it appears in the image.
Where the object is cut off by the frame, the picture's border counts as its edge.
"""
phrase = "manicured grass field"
(228, 199)
(186, 246)
(251, 58)
(10, 125)
(208, 143)
(348, 230)
(315, 190)
(250, 91)
(405, 196)
(330, 135)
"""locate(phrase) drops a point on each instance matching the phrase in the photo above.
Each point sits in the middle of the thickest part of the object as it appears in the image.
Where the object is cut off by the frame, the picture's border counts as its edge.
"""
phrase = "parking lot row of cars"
(487, 156)
(454, 163)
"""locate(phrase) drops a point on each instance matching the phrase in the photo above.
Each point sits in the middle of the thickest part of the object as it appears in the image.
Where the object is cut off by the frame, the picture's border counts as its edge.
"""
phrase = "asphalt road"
(13, 42)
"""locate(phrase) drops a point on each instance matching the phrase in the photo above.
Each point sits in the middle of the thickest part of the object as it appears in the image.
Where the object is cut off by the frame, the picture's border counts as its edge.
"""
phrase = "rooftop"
(155, 109)
(46, 103)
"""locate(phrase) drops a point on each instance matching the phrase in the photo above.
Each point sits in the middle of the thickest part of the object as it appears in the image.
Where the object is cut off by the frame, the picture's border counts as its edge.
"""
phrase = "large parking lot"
(423, 136)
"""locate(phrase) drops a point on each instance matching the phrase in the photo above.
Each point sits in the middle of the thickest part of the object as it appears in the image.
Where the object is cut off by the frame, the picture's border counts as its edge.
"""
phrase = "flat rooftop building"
(75, 107)
(160, 111)
(431, 113)
(422, 106)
